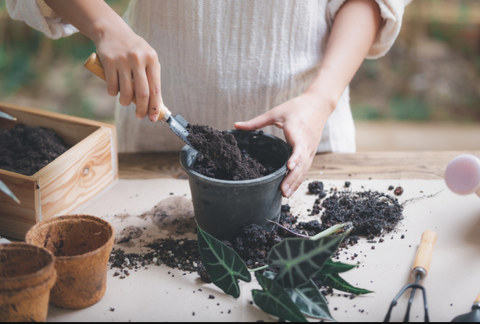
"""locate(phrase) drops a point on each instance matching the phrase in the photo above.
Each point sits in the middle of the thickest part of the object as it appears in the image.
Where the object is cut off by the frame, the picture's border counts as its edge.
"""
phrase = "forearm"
(353, 33)
(91, 17)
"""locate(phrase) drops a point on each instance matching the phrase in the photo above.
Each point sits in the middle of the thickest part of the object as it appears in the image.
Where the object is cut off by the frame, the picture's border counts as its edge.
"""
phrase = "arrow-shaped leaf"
(335, 281)
(335, 267)
(8, 192)
(298, 260)
(224, 265)
(308, 299)
(274, 300)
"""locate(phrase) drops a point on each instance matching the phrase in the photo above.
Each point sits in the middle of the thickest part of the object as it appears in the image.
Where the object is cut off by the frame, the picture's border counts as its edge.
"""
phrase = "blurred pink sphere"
(462, 174)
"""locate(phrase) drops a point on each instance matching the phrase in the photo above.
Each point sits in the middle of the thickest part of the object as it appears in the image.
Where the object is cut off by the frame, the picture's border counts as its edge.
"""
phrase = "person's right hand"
(131, 67)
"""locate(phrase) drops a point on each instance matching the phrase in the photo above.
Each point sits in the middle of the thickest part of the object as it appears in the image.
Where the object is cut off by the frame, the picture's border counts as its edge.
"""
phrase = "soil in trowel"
(221, 158)
(26, 150)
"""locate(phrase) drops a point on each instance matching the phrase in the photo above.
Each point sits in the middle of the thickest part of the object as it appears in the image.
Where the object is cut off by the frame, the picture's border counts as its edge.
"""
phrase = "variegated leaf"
(336, 267)
(274, 300)
(224, 265)
(298, 260)
(308, 299)
(335, 281)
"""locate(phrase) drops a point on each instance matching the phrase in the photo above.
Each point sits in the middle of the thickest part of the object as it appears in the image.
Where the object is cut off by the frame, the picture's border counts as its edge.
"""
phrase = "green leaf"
(336, 267)
(298, 260)
(335, 281)
(308, 299)
(224, 265)
(274, 300)
(8, 192)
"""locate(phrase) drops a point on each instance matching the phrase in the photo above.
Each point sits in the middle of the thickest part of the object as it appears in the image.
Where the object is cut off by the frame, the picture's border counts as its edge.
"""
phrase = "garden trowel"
(177, 123)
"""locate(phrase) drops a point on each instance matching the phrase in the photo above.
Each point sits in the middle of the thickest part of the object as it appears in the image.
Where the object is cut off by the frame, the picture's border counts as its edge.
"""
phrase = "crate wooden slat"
(82, 172)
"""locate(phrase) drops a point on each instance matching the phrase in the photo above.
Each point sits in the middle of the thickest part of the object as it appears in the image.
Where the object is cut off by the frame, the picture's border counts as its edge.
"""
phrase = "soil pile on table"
(26, 150)
(221, 158)
(371, 212)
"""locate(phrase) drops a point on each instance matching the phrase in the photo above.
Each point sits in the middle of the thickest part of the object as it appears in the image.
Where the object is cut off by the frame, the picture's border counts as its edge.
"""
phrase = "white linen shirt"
(225, 61)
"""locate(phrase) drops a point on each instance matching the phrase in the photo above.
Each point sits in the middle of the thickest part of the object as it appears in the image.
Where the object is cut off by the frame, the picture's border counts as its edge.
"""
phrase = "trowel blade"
(178, 125)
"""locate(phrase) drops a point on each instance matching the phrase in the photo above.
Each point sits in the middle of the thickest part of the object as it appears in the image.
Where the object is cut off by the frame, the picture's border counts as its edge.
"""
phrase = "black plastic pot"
(222, 207)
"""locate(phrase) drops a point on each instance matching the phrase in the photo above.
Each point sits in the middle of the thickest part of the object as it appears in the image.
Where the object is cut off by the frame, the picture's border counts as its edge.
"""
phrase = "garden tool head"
(473, 316)
(419, 271)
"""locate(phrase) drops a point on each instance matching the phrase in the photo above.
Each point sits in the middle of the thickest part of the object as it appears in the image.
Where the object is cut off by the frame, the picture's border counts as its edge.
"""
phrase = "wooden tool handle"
(94, 65)
(425, 251)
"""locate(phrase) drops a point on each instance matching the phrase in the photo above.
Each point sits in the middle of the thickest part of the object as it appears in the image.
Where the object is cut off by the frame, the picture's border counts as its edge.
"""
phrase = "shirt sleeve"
(392, 14)
(37, 14)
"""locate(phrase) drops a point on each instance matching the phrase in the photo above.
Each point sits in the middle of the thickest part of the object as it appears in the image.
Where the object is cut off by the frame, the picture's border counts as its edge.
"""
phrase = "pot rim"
(39, 273)
(228, 183)
(79, 216)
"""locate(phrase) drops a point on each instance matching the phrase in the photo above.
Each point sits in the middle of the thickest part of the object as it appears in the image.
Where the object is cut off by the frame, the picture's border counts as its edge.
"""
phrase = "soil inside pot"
(222, 158)
(26, 150)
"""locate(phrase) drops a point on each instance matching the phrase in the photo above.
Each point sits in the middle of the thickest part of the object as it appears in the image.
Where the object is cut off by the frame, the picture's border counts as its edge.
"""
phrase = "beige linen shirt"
(225, 61)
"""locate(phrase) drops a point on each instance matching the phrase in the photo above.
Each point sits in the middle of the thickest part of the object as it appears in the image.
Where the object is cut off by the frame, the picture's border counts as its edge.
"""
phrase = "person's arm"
(303, 118)
(124, 54)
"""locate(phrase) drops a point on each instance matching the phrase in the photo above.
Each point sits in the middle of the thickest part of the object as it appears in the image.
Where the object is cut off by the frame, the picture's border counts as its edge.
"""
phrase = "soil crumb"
(26, 150)
(221, 158)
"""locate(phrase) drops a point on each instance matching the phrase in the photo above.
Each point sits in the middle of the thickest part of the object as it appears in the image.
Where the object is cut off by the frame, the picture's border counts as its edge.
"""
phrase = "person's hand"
(302, 120)
(126, 56)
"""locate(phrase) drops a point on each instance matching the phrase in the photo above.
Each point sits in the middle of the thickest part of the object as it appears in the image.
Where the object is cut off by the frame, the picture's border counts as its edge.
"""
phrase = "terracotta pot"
(81, 245)
(26, 277)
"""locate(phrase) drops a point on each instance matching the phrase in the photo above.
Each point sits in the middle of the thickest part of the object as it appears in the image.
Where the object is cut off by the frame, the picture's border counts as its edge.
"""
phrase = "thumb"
(256, 123)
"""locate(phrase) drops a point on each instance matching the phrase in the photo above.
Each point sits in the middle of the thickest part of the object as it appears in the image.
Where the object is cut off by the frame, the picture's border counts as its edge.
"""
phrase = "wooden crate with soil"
(88, 166)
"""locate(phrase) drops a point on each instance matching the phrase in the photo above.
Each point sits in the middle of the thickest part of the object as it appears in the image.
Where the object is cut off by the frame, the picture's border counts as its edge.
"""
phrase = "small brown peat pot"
(26, 276)
(87, 168)
(81, 245)
(222, 207)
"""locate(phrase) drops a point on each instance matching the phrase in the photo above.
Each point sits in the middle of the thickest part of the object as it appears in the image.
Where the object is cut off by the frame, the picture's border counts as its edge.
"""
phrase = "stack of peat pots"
(64, 262)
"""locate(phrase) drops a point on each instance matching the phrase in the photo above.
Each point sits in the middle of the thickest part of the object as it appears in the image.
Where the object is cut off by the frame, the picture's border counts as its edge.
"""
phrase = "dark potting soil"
(26, 150)
(221, 158)
(371, 212)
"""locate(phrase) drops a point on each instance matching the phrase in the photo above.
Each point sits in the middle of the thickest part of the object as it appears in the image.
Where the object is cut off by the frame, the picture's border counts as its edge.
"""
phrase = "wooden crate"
(87, 168)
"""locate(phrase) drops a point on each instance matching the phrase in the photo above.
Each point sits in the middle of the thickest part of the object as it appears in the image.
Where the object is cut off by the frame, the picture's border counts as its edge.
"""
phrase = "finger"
(256, 123)
(154, 83)
(292, 181)
(142, 92)
(111, 75)
(294, 139)
(126, 86)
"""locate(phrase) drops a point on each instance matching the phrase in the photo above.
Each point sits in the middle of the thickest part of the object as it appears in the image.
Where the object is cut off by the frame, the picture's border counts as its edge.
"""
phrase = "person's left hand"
(302, 120)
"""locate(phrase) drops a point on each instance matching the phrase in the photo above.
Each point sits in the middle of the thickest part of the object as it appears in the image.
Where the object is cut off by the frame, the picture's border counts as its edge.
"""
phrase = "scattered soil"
(371, 212)
(26, 150)
(221, 158)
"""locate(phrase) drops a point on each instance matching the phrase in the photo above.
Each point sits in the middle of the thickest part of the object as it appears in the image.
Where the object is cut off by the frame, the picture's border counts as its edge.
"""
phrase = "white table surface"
(154, 295)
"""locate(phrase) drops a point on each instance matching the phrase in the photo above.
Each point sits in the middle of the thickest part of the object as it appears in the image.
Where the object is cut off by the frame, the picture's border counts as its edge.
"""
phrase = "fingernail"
(154, 118)
(292, 166)
(285, 189)
(289, 192)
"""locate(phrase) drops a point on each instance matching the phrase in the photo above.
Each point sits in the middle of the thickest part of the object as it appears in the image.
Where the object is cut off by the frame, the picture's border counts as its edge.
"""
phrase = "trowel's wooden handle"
(94, 65)
(425, 251)
(478, 299)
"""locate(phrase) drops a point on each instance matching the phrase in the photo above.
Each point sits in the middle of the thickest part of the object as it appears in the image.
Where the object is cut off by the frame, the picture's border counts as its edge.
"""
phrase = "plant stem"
(286, 229)
(330, 231)
(258, 269)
